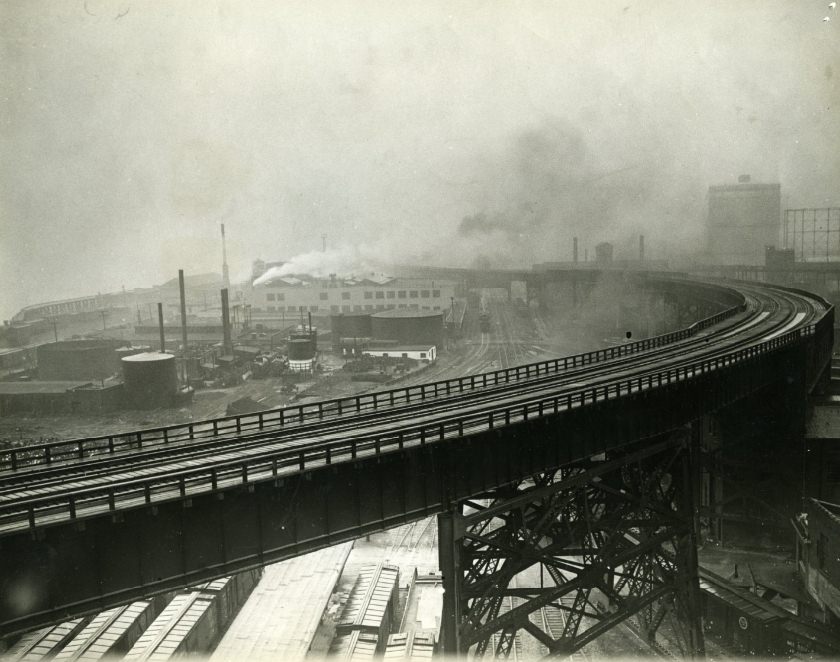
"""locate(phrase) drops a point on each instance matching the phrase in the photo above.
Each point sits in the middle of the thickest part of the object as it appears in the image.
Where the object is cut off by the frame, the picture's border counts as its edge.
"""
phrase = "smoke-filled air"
(462, 134)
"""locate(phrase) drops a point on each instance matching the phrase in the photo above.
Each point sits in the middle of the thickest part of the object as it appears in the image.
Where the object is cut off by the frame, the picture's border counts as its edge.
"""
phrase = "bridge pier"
(566, 555)
(753, 453)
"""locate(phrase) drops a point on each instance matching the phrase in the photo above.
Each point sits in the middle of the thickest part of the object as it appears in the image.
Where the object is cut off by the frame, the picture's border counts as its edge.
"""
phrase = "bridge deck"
(171, 516)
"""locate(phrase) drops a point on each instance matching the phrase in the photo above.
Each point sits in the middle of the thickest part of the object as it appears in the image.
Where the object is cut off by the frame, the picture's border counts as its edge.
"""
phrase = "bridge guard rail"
(48, 453)
(375, 482)
(30, 512)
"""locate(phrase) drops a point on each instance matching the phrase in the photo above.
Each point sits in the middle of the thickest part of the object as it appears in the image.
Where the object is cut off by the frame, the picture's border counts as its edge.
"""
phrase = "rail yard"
(493, 379)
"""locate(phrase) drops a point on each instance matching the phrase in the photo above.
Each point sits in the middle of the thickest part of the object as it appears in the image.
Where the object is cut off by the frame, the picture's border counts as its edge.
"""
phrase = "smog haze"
(445, 133)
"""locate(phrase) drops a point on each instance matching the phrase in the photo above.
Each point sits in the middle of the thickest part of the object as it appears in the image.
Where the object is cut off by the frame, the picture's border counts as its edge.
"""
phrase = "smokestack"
(641, 248)
(226, 342)
(310, 323)
(225, 274)
(574, 249)
(183, 322)
(323, 243)
(160, 327)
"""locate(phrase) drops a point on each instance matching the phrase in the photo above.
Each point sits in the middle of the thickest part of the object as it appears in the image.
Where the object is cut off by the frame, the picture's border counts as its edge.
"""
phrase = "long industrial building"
(291, 295)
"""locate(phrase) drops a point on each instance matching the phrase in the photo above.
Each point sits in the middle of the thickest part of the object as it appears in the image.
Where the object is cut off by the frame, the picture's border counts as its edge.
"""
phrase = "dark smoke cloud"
(479, 224)
(550, 185)
(128, 137)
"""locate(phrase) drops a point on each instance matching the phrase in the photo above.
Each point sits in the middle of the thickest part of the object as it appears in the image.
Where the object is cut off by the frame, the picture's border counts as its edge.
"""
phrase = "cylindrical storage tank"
(409, 327)
(300, 350)
(150, 380)
(77, 359)
(301, 334)
(350, 325)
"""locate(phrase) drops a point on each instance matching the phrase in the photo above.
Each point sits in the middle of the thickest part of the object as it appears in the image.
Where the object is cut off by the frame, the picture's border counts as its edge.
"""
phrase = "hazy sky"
(439, 131)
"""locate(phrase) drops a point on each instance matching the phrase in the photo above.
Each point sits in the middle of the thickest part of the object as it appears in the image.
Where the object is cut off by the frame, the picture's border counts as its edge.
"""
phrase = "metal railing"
(21, 512)
(79, 449)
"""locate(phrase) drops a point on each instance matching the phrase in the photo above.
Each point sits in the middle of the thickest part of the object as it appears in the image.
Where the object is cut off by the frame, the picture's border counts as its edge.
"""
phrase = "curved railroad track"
(47, 485)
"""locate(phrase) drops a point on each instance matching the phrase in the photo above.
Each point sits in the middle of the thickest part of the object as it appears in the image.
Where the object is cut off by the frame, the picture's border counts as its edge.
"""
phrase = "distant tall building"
(744, 219)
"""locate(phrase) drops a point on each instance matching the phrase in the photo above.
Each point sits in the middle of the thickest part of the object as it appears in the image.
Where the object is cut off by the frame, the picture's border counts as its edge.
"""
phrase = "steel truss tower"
(566, 555)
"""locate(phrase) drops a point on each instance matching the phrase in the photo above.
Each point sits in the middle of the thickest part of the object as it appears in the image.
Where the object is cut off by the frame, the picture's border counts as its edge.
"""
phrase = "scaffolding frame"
(809, 233)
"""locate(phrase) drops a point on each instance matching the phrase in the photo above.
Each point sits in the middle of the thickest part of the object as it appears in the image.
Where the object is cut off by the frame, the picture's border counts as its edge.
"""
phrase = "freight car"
(746, 624)
(484, 316)
(411, 646)
(373, 603)
(110, 633)
(354, 646)
(194, 621)
(43, 643)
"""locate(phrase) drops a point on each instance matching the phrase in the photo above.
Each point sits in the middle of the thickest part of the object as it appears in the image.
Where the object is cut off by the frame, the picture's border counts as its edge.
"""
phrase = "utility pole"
(160, 327)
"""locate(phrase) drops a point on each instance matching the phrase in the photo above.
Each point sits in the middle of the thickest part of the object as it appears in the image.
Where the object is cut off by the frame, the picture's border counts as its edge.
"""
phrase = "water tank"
(304, 333)
(150, 380)
(350, 325)
(78, 359)
(408, 327)
(300, 350)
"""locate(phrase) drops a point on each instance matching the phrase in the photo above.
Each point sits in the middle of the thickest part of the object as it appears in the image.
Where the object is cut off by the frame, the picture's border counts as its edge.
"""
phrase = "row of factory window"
(343, 309)
(377, 294)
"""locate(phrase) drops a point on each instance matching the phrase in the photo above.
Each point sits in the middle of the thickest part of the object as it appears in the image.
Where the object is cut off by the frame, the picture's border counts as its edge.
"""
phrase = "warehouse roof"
(405, 312)
(44, 388)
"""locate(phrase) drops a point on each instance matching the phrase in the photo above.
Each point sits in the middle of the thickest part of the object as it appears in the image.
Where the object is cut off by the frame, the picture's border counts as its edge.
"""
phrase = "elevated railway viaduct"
(583, 471)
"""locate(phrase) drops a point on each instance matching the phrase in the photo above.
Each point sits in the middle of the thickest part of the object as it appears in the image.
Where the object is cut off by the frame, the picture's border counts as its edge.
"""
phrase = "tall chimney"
(641, 248)
(226, 342)
(160, 326)
(225, 275)
(574, 249)
(183, 322)
(310, 324)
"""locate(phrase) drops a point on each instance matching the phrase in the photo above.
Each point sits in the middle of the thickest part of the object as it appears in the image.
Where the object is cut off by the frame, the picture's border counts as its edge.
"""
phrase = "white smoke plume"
(345, 262)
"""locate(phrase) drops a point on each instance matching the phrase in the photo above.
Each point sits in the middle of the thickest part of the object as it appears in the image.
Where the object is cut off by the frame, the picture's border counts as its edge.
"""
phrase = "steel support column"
(449, 525)
(565, 556)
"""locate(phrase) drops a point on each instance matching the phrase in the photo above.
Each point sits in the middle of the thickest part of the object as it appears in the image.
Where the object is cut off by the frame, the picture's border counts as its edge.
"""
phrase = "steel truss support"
(569, 554)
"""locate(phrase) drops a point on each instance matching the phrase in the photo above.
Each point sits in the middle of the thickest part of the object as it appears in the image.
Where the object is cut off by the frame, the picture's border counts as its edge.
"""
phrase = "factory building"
(78, 359)
(427, 353)
(408, 327)
(388, 333)
(818, 555)
(744, 219)
(287, 296)
(59, 397)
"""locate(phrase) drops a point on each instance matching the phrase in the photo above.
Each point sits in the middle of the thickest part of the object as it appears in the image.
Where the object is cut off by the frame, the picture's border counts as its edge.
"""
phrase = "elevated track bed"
(182, 505)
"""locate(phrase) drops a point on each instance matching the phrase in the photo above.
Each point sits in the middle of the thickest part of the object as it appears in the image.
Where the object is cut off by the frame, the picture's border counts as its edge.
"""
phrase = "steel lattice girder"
(615, 535)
